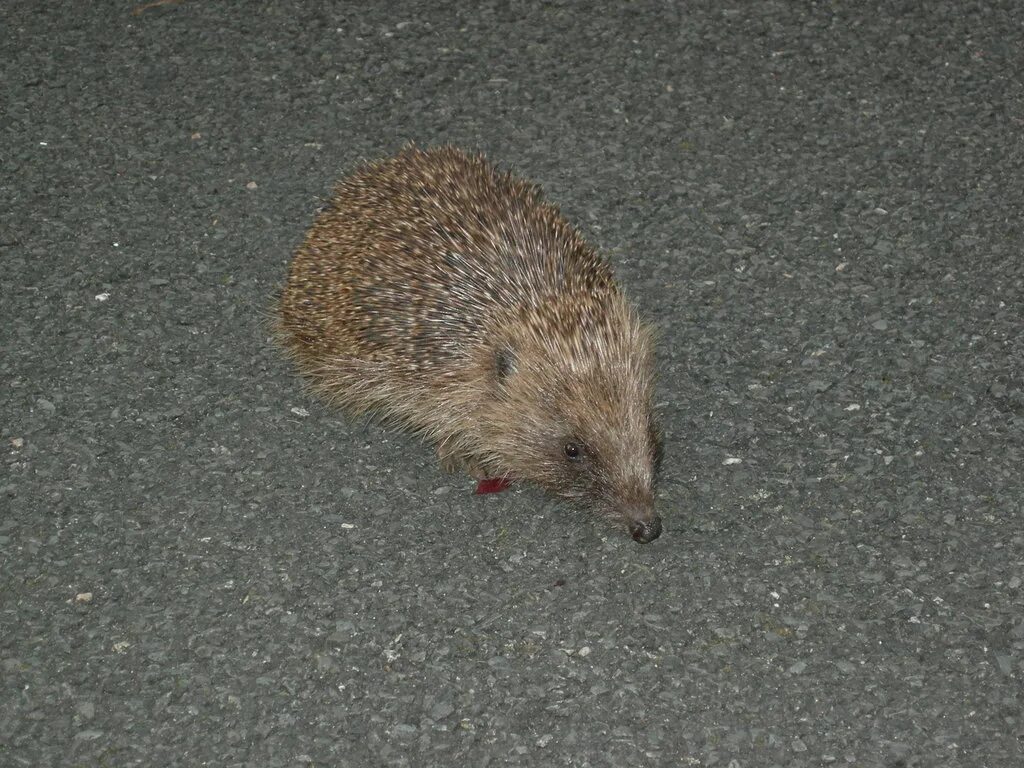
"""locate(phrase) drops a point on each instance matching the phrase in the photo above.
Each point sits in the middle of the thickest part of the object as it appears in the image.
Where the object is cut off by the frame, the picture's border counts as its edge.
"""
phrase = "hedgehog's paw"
(452, 461)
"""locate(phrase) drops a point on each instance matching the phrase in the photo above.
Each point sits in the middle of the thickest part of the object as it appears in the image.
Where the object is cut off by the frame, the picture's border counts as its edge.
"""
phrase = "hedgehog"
(450, 298)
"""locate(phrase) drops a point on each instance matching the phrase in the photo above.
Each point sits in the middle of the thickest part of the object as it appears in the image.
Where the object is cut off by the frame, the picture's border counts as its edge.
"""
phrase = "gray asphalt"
(818, 204)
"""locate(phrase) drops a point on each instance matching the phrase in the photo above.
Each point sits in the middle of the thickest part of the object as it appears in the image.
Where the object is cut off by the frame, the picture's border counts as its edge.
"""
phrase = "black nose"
(645, 530)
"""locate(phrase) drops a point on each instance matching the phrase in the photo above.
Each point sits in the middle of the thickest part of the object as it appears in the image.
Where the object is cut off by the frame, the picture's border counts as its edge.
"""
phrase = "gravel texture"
(819, 205)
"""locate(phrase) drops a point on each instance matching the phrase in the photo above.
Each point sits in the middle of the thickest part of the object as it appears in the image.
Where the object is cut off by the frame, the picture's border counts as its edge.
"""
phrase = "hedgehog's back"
(415, 258)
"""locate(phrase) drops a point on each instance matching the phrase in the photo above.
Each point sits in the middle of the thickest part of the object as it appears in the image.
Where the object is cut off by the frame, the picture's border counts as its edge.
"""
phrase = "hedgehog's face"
(582, 430)
(608, 458)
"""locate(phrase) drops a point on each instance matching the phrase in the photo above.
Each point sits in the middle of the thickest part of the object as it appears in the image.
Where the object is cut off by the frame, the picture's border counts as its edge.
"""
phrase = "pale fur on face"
(582, 375)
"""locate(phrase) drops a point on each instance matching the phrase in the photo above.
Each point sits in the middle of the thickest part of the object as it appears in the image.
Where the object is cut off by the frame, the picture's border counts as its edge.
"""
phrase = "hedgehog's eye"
(573, 451)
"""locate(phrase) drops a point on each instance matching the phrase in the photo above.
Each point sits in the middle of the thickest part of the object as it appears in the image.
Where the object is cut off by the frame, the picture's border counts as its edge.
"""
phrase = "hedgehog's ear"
(504, 361)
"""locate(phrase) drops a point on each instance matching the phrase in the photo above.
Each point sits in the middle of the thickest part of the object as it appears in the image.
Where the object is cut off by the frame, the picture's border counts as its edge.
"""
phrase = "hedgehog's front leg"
(453, 461)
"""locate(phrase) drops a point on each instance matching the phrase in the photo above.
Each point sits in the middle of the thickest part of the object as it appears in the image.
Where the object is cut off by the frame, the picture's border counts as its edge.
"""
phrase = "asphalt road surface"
(818, 204)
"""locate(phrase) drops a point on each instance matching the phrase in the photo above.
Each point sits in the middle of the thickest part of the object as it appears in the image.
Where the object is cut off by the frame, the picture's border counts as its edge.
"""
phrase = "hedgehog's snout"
(645, 530)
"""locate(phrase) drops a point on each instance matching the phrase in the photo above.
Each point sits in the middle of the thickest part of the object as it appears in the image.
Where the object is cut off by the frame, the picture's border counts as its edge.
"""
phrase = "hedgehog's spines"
(421, 269)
